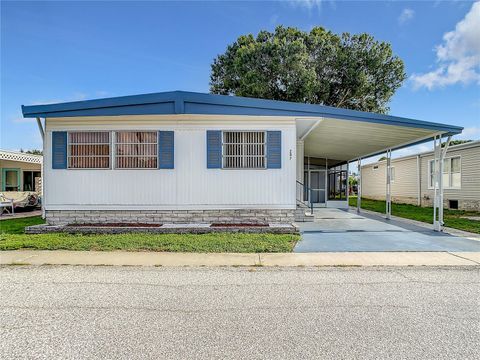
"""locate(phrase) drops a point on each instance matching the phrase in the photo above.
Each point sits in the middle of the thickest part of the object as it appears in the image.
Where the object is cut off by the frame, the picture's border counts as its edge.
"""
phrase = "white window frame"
(429, 174)
(244, 156)
(114, 148)
(392, 171)
(90, 131)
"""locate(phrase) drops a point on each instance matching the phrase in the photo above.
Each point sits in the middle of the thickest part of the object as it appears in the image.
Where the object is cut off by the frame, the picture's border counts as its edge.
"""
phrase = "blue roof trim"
(182, 102)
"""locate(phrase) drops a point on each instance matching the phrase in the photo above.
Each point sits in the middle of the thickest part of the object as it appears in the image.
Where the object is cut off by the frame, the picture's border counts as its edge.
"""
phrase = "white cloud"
(406, 16)
(458, 57)
(412, 150)
(469, 133)
(307, 4)
(274, 19)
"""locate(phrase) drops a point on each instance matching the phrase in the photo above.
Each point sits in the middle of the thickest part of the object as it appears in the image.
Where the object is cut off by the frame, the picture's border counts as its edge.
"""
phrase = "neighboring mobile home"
(20, 171)
(412, 178)
(191, 157)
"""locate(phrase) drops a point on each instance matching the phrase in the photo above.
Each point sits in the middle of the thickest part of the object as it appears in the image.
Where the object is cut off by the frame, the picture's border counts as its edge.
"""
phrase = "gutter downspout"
(42, 133)
(40, 128)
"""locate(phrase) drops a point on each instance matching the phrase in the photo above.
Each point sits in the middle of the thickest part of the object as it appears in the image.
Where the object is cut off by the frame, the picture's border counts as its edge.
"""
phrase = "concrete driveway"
(336, 230)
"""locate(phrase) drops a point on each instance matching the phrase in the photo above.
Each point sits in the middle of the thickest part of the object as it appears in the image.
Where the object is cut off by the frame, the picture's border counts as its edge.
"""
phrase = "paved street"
(53, 312)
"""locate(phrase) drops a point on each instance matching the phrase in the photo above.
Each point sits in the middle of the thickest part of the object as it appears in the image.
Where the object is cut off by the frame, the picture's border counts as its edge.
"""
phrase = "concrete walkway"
(20, 214)
(118, 258)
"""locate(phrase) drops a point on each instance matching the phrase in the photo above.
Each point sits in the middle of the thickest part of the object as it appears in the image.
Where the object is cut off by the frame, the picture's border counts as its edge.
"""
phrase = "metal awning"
(346, 140)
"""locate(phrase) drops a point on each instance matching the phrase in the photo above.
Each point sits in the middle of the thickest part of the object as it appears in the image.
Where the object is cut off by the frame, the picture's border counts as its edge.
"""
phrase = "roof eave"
(181, 102)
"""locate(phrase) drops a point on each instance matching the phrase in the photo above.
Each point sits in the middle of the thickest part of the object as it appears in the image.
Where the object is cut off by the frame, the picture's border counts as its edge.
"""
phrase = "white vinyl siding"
(465, 178)
(190, 186)
(136, 150)
(88, 150)
(243, 149)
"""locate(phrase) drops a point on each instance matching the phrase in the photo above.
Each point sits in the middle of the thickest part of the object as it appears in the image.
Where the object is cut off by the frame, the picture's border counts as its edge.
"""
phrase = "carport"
(328, 143)
(336, 230)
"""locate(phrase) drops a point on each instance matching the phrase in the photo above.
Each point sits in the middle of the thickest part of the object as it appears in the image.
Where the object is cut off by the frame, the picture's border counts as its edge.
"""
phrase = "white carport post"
(439, 157)
(388, 197)
(359, 186)
(348, 183)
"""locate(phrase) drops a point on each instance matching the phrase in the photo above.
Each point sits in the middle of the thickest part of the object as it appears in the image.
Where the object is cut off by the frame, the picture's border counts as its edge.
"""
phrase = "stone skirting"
(473, 205)
(238, 216)
(469, 205)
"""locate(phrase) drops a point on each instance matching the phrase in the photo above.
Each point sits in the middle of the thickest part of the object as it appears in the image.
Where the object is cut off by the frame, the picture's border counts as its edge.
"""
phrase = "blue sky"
(65, 51)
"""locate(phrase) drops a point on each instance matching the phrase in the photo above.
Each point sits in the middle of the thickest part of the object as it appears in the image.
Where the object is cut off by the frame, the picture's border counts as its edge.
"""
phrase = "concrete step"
(303, 215)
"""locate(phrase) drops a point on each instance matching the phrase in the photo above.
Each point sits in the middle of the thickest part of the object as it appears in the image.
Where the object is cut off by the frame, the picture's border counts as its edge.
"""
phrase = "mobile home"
(20, 171)
(413, 178)
(190, 157)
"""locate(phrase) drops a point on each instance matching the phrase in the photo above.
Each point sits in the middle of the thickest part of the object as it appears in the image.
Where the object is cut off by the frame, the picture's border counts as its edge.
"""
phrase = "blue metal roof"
(182, 102)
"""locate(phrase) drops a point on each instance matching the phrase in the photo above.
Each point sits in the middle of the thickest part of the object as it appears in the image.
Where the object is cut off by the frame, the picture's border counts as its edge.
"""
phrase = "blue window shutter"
(274, 149)
(59, 150)
(166, 150)
(214, 149)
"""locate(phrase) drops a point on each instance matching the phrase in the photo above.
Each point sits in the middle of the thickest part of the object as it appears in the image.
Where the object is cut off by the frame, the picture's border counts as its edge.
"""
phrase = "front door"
(315, 180)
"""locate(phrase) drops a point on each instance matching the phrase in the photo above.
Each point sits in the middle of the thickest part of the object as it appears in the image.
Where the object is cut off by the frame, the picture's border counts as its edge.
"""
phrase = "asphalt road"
(239, 313)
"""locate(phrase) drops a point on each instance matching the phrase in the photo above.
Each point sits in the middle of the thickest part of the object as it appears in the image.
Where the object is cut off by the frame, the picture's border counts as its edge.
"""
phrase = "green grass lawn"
(452, 218)
(13, 238)
(17, 226)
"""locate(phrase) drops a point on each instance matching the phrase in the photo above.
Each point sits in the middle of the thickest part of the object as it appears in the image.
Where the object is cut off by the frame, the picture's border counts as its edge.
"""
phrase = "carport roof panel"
(347, 140)
(182, 102)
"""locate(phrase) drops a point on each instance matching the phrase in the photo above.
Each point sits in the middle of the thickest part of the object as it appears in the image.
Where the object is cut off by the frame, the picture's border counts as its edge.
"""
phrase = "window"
(337, 183)
(10, 180)
(455, 173)
(392, 173)
(451, 176)
(89, 150)
(136, 150)
(29, 180)
(243, 150)
(375, 167)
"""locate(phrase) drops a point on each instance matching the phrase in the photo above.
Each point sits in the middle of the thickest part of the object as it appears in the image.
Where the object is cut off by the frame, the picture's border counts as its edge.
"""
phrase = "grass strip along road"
(13, 238)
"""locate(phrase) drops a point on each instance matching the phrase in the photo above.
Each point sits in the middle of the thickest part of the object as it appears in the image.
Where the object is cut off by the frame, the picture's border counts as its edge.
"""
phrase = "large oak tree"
(319, 67)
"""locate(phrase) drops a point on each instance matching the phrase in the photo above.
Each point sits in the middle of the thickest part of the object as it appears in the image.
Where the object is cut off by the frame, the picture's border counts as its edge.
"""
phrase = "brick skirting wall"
(239, 216)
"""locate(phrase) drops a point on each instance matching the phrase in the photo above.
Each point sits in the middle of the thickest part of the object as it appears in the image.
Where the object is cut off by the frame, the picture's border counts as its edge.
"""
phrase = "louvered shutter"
(214, 149)
(166, 150)
(59, 150)
(274, 149)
